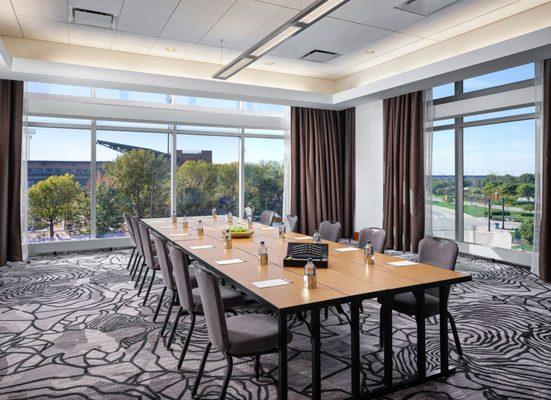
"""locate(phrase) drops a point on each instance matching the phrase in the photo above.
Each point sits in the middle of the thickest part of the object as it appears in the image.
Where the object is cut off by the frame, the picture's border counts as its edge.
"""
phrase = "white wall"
(369, 165)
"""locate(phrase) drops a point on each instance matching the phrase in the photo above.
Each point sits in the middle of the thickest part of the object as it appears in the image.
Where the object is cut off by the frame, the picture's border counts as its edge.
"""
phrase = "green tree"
(140, 179)
(527, 230)
(527, 190)
(108, 215)
(55, 199)
(264, 186)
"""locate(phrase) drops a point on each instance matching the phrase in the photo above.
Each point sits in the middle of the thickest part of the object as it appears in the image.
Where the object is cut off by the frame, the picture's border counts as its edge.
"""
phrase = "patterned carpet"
(72, 327)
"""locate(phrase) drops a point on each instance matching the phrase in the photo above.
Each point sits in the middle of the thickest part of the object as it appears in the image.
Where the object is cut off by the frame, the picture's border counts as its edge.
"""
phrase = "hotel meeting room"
(275, 199)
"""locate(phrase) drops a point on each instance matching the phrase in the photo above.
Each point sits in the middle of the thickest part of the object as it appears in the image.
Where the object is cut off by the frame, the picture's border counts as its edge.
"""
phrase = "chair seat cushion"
(406, 303)
(252, 333)
(230, 297)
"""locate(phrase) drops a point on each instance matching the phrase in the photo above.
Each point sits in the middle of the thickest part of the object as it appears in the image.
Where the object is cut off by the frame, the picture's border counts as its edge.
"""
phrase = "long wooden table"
(346, 280)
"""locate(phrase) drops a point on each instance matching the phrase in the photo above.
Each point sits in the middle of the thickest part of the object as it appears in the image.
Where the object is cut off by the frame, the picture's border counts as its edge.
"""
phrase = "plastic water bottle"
(174, 218)
(185, 223)
(317, 237)
(200, 229)
(282, 232)
(214, 214)
(310, 276)
(369, 254)
(230, 218)
(262, 254)
(227, 241)
(250, 222)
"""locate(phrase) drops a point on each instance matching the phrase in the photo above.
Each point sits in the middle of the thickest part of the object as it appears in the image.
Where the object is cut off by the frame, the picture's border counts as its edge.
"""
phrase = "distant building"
(40, 170)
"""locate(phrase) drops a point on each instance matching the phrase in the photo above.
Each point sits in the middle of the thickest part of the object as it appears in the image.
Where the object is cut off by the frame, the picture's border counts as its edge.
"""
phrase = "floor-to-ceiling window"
(484, 160)
(103, 166)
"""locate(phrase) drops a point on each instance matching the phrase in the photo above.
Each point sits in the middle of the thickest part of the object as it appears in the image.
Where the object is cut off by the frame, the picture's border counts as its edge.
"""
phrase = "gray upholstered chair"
(247, 212)
(138, 241)
(267, 217)
(133, 255)
(151, 259)
(330, 231)
(189, 297)
(291, 222)
(246, 335)
(376, 236)
(440, 253)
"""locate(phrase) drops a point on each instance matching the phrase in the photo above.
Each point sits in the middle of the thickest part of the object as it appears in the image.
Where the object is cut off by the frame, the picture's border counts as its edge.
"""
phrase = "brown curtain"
(323, 167)
(545, 224)
(404, 208)
(11, 120)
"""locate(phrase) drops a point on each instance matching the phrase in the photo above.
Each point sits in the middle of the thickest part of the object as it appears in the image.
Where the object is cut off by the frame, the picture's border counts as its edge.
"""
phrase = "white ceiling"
(365, 32)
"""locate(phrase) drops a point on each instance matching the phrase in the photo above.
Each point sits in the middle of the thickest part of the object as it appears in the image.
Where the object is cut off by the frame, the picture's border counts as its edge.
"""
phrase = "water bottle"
(185, 223)
(282, 232)
(200, 230)
(369, 254)
(317, 237)
(214, 214)
(310, 277)
(230, 218)
(227, 241)
(250, 222)
(174, 218)
(262, 254)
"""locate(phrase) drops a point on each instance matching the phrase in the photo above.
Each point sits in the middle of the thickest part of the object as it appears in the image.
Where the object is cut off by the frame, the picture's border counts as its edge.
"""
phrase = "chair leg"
(201, 369)
(149, 287)
(229, 370)
(326, 312)
(143, 280)
(257, 367)
(139, 275)
(159, 304)
(381, 329)
(455, 335)
(174, 328)
(134, 266)
(169, 311)
(186, 343)
(130, 258)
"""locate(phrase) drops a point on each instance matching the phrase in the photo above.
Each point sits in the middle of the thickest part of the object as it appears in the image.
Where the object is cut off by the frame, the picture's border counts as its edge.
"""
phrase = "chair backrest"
(164, 261)
(437, 252)
(330, 231)
(247, 212)
(146, 245)
(376, 236)
(213, 309)
(180, 269)
(290, 223)
(137, 235)
(267, 217)
(128, 224)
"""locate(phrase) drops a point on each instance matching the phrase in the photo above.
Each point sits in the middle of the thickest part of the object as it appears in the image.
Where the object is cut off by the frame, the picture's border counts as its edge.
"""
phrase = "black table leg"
(316, 353)
(443, 308)
(421, 339)
(282, 347)
(387, 312)
(355, 347)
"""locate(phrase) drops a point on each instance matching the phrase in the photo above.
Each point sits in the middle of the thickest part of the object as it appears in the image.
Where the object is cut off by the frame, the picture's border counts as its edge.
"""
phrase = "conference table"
(347, 280)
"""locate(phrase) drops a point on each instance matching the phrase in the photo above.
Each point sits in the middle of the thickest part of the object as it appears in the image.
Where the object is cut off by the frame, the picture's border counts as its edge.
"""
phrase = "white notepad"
(401, 263)
(167, 227)
(179, 234)
(267, 228)
(205, 246)
(301, 238)
(271, 283)
(230, 261)
(346, 249)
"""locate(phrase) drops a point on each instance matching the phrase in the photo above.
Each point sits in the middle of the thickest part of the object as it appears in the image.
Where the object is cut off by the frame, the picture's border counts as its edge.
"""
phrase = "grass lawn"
(477, 211)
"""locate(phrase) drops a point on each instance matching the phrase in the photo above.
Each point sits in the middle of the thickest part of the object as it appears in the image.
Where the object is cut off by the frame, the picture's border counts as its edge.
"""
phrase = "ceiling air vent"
(92, 18)
(424, 7)
(319, 56)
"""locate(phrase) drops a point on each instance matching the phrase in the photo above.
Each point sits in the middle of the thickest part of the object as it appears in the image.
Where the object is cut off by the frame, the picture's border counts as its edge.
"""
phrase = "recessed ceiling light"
(370, 51)
(269, 63)
(171, 49)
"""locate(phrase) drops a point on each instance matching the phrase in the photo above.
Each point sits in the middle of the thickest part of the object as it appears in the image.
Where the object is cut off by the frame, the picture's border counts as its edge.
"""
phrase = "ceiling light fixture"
(370, 51)
(171, 49)
(269, 63)
(297, 24)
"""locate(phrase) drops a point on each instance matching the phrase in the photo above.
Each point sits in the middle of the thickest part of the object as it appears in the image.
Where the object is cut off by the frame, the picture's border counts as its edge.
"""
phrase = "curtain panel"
(403, 197)
(323, 167)
(545, 208)
(11, 121)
